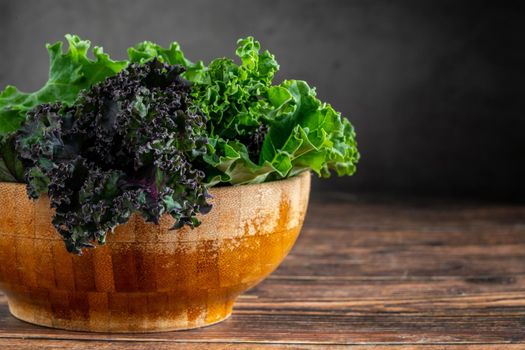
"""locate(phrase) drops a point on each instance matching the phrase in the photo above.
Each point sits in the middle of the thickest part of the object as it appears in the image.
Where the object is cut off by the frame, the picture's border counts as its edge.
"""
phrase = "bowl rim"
(296, 177)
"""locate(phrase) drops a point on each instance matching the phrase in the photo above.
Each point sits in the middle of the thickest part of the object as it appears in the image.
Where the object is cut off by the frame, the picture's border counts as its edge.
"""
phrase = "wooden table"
(372, 273)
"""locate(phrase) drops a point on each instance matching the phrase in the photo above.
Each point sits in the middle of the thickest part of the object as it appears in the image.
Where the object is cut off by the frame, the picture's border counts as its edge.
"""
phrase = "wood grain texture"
(364, 274)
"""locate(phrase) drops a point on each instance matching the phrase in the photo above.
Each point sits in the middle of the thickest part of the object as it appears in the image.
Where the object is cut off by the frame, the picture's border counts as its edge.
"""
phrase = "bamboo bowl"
(147, 278)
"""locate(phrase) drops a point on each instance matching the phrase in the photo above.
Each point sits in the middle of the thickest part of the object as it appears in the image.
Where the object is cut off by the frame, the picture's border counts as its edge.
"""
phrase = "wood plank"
(307, 325)
(420, 261)
(16, 344)
(360, 319)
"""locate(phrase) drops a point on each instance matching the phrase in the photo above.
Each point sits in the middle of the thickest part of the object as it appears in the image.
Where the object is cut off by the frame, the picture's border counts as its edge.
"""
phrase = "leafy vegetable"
(259, 132)
(69, 73)
(307, 134)
(125, 146)
(303, 134)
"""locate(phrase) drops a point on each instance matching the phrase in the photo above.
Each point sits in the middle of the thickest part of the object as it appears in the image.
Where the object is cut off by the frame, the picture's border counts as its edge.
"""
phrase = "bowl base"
(124, 320)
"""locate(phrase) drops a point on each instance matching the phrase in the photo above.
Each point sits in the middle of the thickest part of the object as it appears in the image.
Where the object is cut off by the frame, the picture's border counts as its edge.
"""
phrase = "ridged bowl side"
(147, 278)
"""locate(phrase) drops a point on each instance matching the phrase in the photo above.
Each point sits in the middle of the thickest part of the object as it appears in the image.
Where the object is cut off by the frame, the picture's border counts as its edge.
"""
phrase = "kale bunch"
(128, 144)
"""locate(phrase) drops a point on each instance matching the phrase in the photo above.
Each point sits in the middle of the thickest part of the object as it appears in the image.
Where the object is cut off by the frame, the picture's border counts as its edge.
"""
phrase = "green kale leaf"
(69, 73)
(303, 134)
(307, 134)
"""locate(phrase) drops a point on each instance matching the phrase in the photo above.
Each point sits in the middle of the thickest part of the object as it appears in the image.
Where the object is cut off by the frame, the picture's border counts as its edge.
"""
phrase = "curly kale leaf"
(269, 132)
(126, 145)
(303, 134)
(306, 133)
(279, 130)
(231, 94)
(69, 73)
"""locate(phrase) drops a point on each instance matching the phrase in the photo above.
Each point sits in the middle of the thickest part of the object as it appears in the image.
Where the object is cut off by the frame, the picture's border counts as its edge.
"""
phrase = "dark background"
(433, 88)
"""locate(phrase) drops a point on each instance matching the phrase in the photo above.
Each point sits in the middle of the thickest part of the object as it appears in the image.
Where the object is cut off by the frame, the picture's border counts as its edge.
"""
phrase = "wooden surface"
(365, 274)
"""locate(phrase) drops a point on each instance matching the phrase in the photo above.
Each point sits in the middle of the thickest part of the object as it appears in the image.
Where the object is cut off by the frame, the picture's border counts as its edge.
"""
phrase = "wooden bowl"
(147, 278)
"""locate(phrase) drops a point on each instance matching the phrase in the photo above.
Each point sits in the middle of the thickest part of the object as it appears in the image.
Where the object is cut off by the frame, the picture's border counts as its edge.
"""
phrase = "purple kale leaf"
(127, 145)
